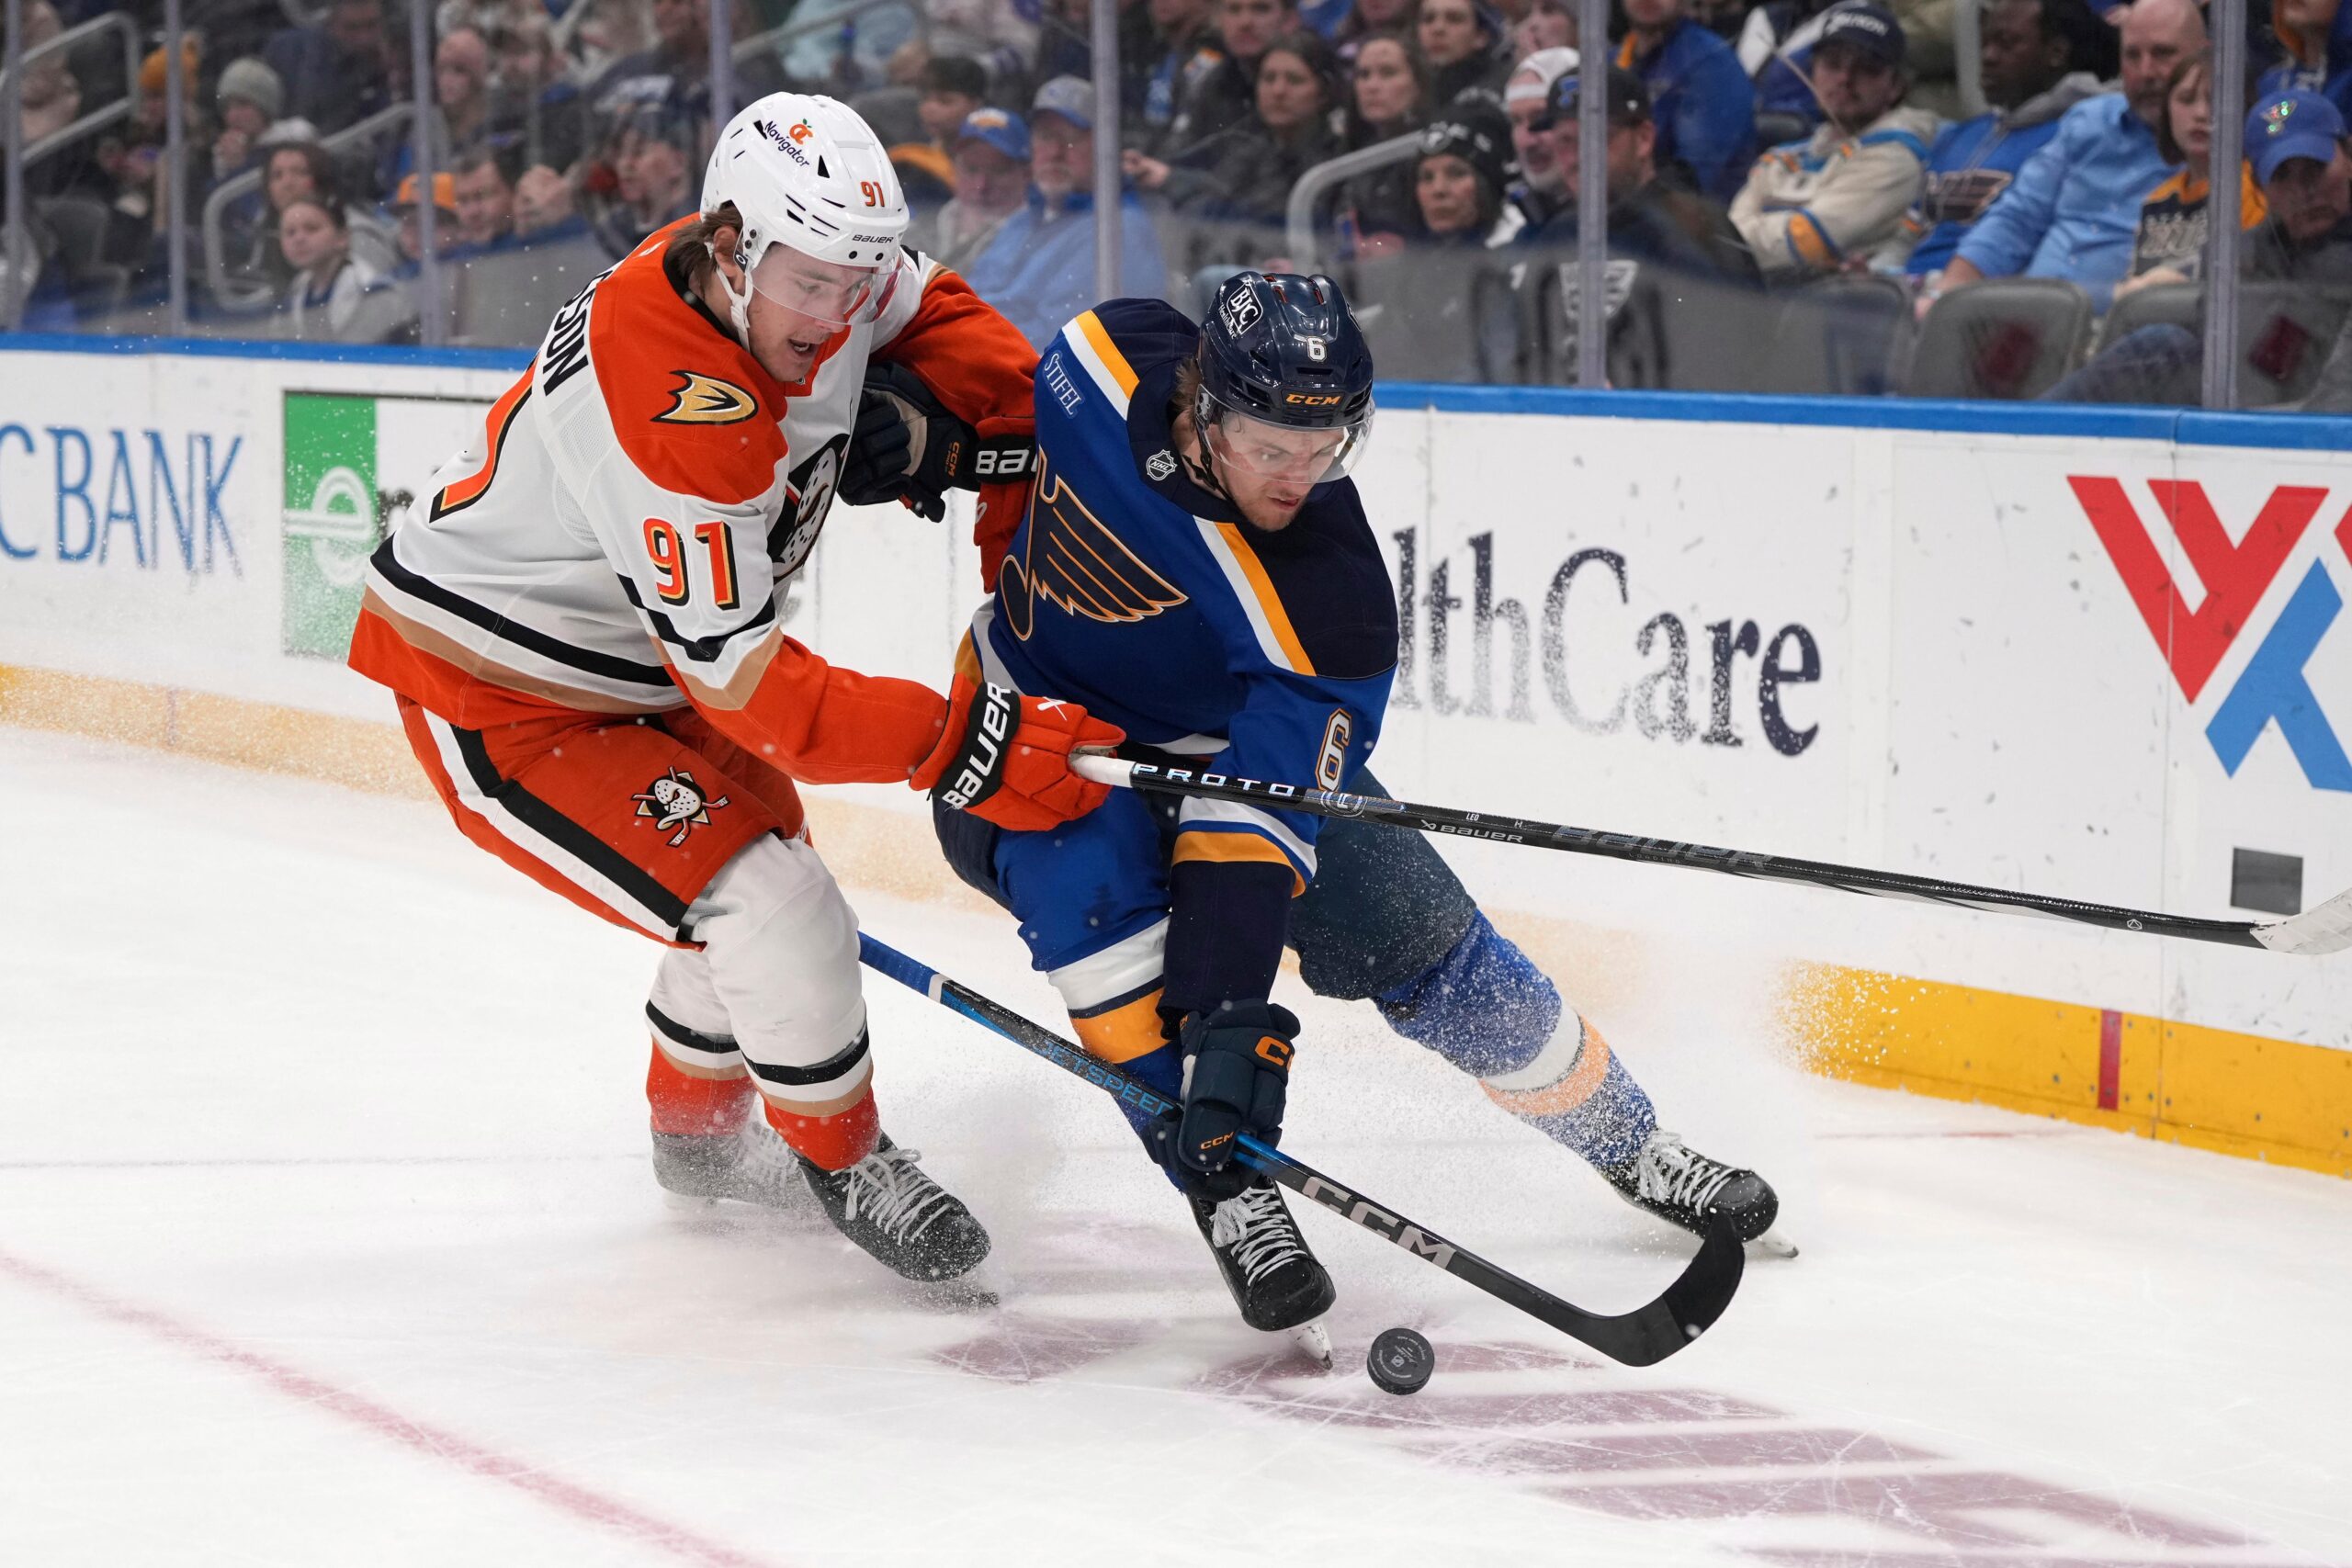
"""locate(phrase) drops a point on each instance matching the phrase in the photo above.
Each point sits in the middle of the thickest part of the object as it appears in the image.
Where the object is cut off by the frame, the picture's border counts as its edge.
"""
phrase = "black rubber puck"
(1400, 1360)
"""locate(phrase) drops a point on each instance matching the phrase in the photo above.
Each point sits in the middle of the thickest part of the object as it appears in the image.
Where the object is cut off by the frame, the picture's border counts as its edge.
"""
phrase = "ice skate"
(1275, 1281)
(902, 1218)
(1677, 1183)
(750, 1166)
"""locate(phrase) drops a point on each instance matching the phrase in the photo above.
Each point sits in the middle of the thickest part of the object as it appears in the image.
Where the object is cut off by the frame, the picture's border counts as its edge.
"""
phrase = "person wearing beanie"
(1843, 191)
(249, 97)
(1441, 308)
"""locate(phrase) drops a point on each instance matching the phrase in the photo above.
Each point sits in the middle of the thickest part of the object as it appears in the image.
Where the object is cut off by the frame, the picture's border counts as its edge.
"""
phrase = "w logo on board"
(2236, 577)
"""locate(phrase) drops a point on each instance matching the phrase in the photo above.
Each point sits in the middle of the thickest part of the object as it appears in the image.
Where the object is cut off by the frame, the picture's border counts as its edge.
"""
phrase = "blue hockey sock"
(1487, 1008)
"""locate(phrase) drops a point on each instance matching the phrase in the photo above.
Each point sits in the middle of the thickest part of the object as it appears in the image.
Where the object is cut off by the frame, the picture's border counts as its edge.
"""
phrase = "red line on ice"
(407, 1431)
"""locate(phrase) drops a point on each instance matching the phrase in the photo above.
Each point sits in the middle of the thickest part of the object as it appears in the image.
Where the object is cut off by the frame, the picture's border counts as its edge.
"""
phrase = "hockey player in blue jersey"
(1195, 568)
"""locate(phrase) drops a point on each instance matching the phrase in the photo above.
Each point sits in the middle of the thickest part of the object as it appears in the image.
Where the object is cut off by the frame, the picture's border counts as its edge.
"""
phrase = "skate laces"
(1671, 1171)
(894, 1193)
(1257, 1228)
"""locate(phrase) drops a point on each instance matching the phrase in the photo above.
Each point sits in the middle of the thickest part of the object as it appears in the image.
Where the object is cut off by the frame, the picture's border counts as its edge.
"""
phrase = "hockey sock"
(1490, 1011)
(696, 1104)
(835, 1140)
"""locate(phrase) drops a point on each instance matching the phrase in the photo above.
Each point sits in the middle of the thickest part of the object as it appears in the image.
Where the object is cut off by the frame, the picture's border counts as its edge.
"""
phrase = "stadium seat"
(2181, 304)
(1840, 336)
(2005, 338)
(2285, 333)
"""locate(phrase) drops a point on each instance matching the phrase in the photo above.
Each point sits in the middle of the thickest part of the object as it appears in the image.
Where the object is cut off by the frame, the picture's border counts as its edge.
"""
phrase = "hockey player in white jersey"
(581, 621)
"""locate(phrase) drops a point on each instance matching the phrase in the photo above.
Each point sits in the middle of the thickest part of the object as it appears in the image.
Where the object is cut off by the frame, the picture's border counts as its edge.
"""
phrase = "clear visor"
(829, 293)
(1266, 451)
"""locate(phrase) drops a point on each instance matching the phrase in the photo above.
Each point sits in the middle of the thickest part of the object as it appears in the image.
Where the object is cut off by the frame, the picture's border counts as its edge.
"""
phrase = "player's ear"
(722, 251)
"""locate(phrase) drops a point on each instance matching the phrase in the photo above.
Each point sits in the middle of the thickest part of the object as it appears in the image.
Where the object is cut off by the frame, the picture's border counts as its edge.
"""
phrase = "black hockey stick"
(2324, 929)
(1649, 1333)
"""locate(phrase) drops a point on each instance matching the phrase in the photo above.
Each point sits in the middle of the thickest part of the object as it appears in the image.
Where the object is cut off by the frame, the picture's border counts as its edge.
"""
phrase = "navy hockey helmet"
(1286, 351)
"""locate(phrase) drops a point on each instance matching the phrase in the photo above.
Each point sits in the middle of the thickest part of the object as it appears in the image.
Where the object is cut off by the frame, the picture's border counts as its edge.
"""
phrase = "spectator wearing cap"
(1039, 269)
(1650, 220)
(2075, 205)
(1543, 181)
(2034, 64)
(1809, 206)
(1701, 102)
(1440, 308)
(412, 225)
(1236, 189)
(2316, 35)
(1167, 49)
(249, 97)
(2296, 144)
(1463, 41)
(1388, 97)
(1245, 30)
(992, 183)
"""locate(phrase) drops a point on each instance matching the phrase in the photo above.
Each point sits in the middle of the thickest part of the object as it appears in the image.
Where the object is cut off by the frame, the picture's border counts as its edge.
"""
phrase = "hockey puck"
(1400, 1360)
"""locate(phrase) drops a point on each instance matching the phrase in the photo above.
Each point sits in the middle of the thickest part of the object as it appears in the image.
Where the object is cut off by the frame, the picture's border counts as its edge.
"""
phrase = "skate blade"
(1772, 1244)
(1312, 1339)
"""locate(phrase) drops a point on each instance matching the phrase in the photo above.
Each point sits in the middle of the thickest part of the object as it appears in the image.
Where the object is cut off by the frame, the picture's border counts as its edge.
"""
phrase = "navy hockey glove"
(883, 451)
(1237, 1067)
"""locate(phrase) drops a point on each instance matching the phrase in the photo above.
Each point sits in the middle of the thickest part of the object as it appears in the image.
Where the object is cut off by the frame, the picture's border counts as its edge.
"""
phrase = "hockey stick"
(1648, 1335)
(2324, 929)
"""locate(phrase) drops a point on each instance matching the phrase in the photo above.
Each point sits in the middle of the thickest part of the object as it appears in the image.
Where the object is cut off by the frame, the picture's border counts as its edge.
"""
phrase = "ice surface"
(327, 1237)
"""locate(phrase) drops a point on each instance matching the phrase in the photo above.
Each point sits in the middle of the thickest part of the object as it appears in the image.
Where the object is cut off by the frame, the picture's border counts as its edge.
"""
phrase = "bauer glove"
(1005, 758)
(1236, 1068)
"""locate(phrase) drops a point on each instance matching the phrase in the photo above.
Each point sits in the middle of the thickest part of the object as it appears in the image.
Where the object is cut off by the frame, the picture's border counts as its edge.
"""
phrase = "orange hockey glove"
(1005, 758)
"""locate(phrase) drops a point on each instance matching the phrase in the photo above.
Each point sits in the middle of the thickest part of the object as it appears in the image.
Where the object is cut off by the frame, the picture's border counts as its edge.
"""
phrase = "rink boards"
(2091, 654)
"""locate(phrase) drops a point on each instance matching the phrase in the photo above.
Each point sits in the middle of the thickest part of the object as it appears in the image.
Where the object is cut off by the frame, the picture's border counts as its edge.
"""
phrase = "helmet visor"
(835, 295)
(1311, 456)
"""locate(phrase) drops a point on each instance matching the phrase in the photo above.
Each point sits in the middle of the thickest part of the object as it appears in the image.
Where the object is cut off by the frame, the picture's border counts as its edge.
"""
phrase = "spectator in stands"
(1775, 51)
(334, 296)
(485, 201)
(674, 75)
(1039, 270)
(2030, 64)
(544, 208)
(1548, 23)
(991, 185)
(538, 106)
(2296, 144)
(1705, 110)
(1003, 33)
(1650, 220)
(338, 73)
(1810, 205)
(2072, 208)
(1063, 48)
(953, 86)
(405, 207)
(2317, 38)
(132, 157)
(1388, 97)
(1463, 41)
(649, 175)
(2170, 245)
(1174, 50)
(1228, 94)
(1543, 181)
(1440, 308)
(1240, 183)
(461, 92)
(249, 98)
(1366, 18)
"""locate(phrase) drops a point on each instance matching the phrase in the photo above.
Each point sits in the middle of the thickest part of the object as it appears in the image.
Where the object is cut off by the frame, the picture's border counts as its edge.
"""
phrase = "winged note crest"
(1072, 560)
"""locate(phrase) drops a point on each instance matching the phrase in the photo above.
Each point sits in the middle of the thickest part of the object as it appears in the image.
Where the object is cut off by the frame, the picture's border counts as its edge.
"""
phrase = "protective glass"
(827, 292)
(1252, 446)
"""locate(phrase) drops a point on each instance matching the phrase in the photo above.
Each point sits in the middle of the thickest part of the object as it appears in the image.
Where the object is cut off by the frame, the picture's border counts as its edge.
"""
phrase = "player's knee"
(782, 945)
(1483, 1006)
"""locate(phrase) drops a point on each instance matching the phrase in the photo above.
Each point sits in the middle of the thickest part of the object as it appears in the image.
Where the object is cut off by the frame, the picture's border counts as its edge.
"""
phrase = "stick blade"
(2323, 930)
(1688, 1307)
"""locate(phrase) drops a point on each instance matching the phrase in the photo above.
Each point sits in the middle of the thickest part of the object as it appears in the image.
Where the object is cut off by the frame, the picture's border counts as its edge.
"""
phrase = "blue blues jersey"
(1132, 591)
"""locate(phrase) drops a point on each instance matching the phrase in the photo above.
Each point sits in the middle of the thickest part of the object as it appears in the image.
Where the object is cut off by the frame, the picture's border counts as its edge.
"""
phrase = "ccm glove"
(882, 453)
(1005, 758)
(1236, 1068)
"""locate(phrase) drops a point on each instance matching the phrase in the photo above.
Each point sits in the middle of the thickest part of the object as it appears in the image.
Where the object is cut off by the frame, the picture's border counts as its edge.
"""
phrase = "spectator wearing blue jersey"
(1039, 270)
(2032, 55)
(1704, 105)
(2075, 206)
(2317, 37)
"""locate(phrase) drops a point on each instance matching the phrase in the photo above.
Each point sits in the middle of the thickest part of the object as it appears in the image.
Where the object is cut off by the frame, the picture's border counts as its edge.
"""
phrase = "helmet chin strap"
(739, 301)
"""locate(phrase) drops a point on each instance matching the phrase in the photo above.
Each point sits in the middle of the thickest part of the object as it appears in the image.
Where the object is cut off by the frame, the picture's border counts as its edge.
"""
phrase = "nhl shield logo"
(675, 801)
(1159, 464)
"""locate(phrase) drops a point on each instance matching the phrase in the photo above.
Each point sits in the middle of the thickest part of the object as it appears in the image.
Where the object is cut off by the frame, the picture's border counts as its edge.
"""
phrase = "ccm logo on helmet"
(1310, 399)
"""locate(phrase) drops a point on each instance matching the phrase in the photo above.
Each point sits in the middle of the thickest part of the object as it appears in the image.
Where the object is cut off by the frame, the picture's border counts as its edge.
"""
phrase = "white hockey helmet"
(813, 183)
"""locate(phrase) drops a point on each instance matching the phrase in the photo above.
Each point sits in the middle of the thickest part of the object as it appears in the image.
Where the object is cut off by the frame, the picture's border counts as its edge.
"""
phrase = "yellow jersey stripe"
(1269, 603)
(1108, 352)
